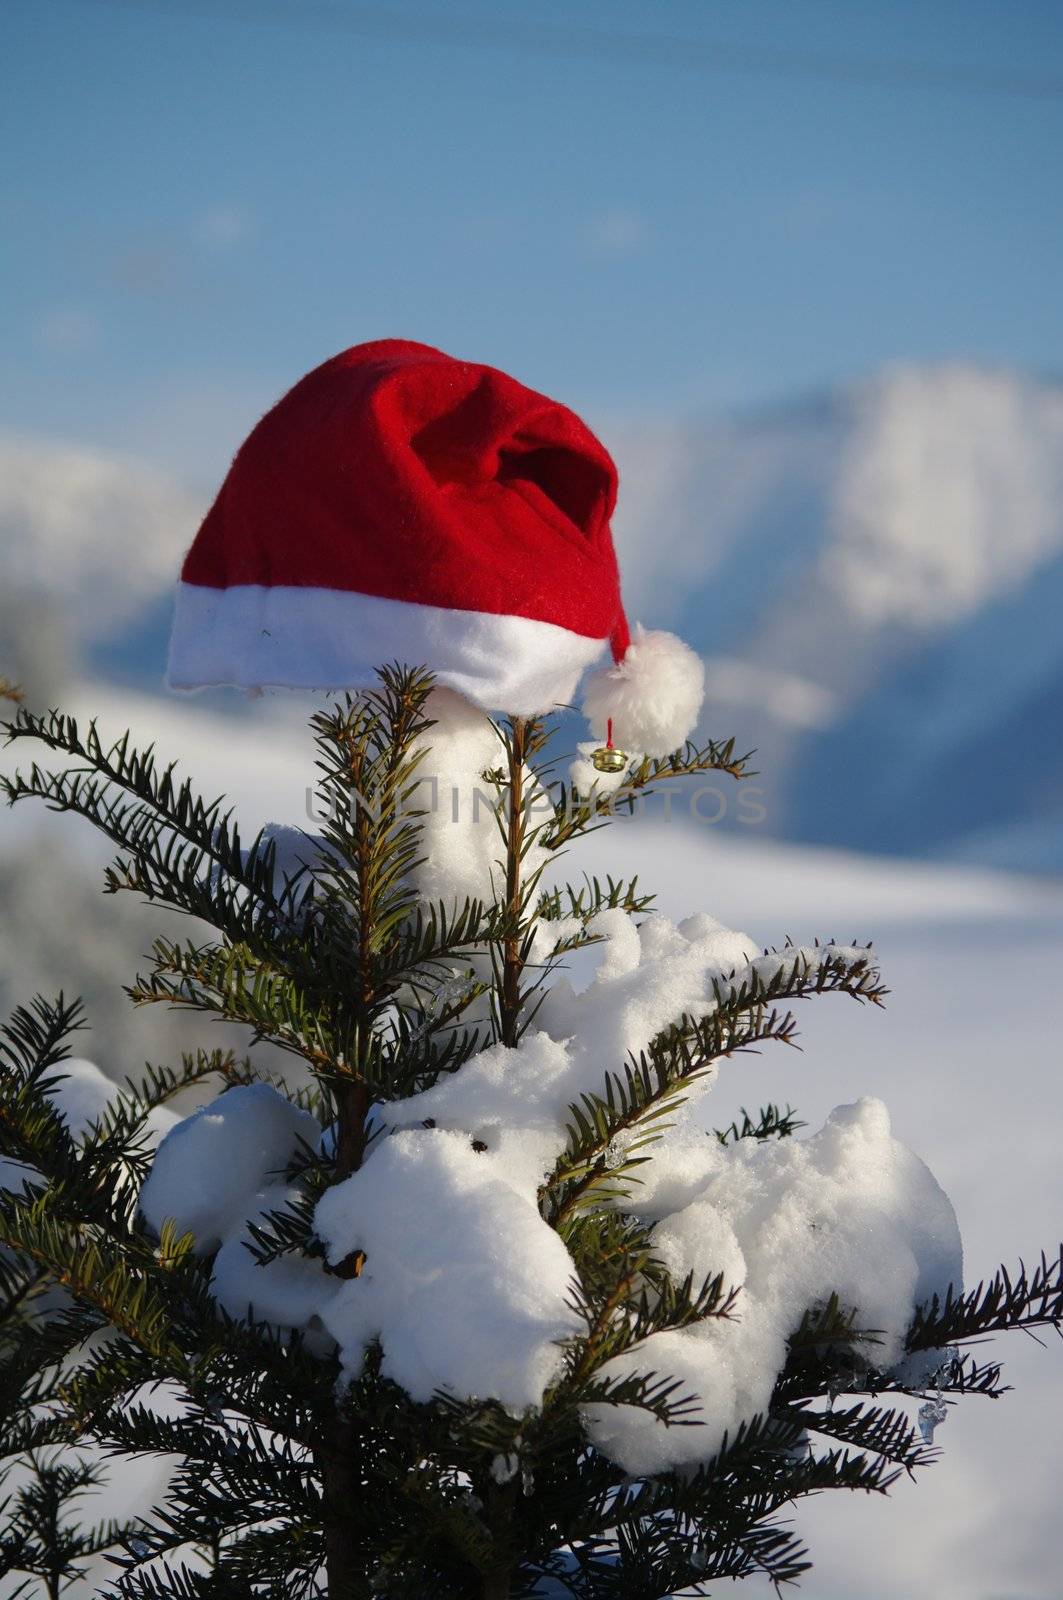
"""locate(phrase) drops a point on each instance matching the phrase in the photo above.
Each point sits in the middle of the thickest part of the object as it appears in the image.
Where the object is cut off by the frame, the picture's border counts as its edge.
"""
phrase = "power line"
(663, 50)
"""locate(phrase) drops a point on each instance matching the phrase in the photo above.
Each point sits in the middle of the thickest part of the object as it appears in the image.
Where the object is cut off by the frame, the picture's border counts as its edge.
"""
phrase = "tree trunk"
(342, 1486)
(511, 962)
(338, 1455)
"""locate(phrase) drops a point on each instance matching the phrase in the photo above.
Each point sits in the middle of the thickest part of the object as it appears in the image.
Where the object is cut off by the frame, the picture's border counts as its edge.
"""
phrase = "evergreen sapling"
(472, 1302)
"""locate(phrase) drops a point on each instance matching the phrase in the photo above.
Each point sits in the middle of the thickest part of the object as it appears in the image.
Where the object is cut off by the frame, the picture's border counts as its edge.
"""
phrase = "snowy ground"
(967, 1057)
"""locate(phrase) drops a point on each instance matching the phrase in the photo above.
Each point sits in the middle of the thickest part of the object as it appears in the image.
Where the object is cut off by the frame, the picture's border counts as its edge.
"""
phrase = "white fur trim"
(255, 637)
(653, 696)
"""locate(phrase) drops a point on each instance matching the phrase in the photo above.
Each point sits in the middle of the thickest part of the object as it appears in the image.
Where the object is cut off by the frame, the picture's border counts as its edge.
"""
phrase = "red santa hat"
(400, 505)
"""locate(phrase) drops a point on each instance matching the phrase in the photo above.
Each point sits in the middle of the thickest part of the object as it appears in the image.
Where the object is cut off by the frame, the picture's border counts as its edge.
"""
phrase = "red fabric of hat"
(395, 472)
(398, 504)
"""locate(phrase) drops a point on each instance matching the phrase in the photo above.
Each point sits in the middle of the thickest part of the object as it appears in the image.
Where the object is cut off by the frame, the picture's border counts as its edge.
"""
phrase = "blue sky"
(199, 200)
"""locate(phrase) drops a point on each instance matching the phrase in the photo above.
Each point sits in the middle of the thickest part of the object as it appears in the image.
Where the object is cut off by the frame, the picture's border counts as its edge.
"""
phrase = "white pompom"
(653, 696)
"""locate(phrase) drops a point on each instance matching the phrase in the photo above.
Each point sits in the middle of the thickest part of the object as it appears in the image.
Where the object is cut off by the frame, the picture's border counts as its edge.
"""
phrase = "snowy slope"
(876, 582)
(978, 716)
(972, 1082)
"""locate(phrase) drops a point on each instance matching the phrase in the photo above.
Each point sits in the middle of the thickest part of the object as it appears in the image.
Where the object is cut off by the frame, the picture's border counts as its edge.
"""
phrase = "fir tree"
(295, 1479)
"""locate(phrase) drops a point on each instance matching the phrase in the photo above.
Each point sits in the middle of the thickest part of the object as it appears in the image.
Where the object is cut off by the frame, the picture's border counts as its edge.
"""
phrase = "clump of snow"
(462, 842)
(647, 978)
(219, 1172)
(849, 1211)
(291, 1291)
(82, 1095)
(512, 1100)
(548, 933)
(505, 1468)
(464, 1283)
(208, 1168)
(517, 1101)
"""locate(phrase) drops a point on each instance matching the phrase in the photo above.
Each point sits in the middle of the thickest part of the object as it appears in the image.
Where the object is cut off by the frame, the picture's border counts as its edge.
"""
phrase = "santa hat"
(400, 505)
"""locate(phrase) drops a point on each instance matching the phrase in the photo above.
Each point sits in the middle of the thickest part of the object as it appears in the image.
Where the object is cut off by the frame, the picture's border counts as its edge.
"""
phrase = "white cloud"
(794, 701)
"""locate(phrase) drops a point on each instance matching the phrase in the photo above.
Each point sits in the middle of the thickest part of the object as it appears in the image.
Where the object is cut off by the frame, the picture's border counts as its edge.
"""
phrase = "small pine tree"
(301, 1471)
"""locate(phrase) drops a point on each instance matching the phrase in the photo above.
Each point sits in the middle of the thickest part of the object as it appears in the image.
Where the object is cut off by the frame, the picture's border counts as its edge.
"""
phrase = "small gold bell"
(607, 758)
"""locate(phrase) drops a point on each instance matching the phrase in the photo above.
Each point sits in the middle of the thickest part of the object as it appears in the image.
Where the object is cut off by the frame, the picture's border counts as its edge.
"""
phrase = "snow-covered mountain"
(875, 578)
(876, 582)
(89, 547)
(97, 535)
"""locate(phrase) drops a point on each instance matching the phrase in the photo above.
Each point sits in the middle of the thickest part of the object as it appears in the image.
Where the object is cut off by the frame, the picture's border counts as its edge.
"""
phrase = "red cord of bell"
(609, 734)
